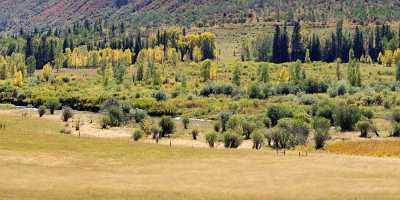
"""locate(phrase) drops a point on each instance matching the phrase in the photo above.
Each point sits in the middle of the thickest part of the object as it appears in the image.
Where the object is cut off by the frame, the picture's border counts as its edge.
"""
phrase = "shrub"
(211, 138)
(160, 95)
(258, 140)
(137, 135)
(42, 110)
(185, 122)
(232, 140)
(321, 127)
(167, 126)
(66, 131)
(364, 127)
(396, 116)
(105, 121)
(223, 119)
(66, 114)
(52, 104)
(367, 113)
(139, 115)
(195, 133)
(346, 116)
(396, 130)
(235, 122)
(277, 112)
(298, 129)
(155, 130)
(217, 127)
(267, 122)
(280, 138)
(247, 129)
(324, 109)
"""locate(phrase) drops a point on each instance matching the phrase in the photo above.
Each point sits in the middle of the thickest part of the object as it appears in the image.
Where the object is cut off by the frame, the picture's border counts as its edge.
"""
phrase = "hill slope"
(28, 13)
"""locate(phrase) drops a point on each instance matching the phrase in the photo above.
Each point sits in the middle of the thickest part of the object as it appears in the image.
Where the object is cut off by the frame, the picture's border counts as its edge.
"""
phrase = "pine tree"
(284, 45)
(298, 52)
(339, 39)
(358, 43)
(378, 43)
(315, 48)
(276, 45)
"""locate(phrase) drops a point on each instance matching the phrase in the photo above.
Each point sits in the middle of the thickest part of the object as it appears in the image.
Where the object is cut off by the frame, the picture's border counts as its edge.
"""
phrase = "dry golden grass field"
(36, 162)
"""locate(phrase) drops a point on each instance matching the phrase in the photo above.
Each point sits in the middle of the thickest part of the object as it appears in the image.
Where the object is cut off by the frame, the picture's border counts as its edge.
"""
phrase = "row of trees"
(283, 48)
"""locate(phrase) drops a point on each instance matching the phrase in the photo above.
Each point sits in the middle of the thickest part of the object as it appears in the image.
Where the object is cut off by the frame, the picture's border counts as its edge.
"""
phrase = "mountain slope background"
(16, 14)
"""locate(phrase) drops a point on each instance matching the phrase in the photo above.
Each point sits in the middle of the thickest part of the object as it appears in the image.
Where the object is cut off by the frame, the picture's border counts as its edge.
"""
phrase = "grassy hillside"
(17, 14)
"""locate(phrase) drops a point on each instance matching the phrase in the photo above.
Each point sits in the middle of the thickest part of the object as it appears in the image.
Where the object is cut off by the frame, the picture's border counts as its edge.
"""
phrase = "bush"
(211, 138)
(280, 138)
(160, 96)
(105, 121)
(346, 116)
(42, 111)
(223, 119)
(364, 127)
(232, 140)
(67, 114)
(367, 113)
(52, 104)
(277, 112)
(321, 127)
(396, 130)
(185, 122)
(396, 116)
(297, 128)
(167, 126)
(217, 127)
(324, 109)
(247, 129)
(258, 140)
(137, 135)
(195, 133)
(139, 115)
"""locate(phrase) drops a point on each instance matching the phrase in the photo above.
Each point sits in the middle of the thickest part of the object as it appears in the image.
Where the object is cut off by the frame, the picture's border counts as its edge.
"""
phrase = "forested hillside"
(15, 14)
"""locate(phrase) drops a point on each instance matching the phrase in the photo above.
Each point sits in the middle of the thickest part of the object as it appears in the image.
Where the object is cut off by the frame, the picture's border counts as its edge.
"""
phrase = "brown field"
(38, 163)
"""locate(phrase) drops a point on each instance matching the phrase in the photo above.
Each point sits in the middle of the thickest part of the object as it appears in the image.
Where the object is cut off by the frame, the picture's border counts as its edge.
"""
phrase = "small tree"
(167, 126)
(232, 140)
(137, 135)
(52, 104)
(264, 73)
(258, 140)
(321, 127)
(364, 127)
(185, 122)
(247, 129)
(223, 119)
(346, 116)
(46, 72)
(398, 71)
(236, 76)
(42, 111)
(67, 113)
(211, 138)
(195, 133)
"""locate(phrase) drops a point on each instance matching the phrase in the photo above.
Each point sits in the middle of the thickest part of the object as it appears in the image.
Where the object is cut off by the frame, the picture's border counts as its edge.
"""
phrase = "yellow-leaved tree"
(284, 75)
(18, 81)
(46, 72)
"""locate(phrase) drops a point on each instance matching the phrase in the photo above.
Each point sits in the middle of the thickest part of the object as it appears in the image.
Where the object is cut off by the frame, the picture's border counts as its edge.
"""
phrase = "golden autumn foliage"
(46, 71)
(284, 75)
(18, 81)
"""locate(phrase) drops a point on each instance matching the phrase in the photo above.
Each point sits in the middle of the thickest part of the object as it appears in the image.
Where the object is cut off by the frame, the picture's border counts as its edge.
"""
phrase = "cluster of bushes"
(215, 89)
